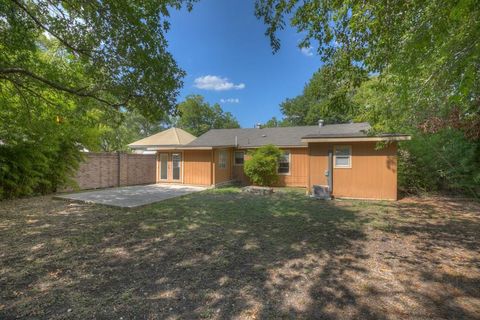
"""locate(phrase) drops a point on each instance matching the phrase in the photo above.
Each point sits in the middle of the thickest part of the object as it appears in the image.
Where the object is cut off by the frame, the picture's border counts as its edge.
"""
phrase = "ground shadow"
(225, 254)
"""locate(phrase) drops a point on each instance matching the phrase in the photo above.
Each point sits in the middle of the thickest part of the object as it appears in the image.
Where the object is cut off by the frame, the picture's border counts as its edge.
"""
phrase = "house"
(342, 156)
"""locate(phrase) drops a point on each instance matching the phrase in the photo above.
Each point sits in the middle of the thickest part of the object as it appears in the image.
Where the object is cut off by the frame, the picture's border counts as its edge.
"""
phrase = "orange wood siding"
(318, 163)
(223, 174)
(373, 173)
(298, 176)
(197, 167)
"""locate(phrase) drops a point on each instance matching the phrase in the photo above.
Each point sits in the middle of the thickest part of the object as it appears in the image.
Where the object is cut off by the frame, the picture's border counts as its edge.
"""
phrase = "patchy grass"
(225, 254)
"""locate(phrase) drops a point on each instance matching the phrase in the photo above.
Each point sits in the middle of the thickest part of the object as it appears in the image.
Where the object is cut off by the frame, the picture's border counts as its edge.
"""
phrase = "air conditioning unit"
(321, 192)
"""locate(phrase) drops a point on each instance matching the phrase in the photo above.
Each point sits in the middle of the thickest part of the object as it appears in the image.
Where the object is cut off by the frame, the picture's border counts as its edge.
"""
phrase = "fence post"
(122, 169)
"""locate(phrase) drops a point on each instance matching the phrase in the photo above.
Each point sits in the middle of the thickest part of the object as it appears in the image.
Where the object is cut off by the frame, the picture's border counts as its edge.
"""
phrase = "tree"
(433, 44)
(422, 59)
(197, 116)
(272, 123)
(124, 127)
(328, 95)
(262, 166)
(120, 46)
(41, 136)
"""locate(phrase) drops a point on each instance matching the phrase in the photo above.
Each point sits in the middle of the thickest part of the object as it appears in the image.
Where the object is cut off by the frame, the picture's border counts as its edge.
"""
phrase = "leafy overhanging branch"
(80, 92)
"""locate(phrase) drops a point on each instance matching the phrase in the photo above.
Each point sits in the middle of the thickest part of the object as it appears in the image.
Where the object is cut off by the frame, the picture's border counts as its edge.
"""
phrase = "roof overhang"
(357, 139)
(178, 148)
(281, 147)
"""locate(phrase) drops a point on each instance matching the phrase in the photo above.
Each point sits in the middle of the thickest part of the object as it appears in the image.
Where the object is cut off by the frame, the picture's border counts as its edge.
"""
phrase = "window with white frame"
(222, 159)
(343, 157)
(284, 163)
(239, 158)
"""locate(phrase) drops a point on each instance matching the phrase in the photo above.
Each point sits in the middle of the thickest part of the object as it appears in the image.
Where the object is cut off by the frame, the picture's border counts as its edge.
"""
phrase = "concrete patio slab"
(134, 196)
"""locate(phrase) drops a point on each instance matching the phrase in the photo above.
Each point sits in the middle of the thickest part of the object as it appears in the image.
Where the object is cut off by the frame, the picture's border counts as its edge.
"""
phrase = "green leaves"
(197, 116)
(262, 166)
(120, 45)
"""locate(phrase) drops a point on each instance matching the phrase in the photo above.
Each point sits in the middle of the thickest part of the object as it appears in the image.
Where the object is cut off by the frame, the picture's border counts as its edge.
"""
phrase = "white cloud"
(216, 83)
(307, 51)
(230, 100)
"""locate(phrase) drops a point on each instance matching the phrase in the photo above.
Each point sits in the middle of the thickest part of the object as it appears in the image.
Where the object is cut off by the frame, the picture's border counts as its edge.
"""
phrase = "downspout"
(330, 171)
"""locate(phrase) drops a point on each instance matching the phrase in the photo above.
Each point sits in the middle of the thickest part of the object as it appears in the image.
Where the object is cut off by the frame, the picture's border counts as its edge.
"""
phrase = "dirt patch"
(226, 254)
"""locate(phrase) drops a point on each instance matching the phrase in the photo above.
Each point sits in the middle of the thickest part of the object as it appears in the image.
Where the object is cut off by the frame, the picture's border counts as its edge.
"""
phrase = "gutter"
(357, 139)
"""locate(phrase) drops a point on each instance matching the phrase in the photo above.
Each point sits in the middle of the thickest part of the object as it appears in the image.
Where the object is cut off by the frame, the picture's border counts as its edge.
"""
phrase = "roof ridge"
(176, 134)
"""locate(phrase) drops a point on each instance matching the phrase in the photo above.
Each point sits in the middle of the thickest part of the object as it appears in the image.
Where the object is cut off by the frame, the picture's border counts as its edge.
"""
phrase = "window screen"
(284, 163)
(222, 159)
(343, 156)
(239, 158)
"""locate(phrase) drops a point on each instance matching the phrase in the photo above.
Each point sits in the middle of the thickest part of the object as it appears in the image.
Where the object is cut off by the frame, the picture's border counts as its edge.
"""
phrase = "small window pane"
(284, 163)
(176, 163)
(239, 158)
(343, 156)
(222, 161)
(342, 151)
(342, 161)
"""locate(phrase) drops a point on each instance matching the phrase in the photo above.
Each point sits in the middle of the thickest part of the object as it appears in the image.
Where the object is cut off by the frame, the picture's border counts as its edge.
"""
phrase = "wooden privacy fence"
(103, 170)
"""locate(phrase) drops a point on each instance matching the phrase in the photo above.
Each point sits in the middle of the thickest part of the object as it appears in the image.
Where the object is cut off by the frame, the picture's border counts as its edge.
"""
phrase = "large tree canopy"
(120, 46)
(433, 44)
(198, 116)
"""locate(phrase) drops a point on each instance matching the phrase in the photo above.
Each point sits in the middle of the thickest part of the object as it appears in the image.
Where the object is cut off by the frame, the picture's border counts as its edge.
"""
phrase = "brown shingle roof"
(280, 136)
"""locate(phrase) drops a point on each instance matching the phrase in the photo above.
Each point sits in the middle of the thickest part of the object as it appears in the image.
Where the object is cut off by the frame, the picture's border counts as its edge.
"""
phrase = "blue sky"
(228, 59)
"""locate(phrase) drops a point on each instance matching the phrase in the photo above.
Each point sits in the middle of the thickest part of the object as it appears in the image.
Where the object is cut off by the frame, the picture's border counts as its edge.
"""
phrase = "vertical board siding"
(197, 167)
(318, 163)
(223, 174)
(373, 174)
(298, 176)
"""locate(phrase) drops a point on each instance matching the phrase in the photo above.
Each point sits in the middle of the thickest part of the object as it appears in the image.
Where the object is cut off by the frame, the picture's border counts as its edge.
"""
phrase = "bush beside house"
(262, 166)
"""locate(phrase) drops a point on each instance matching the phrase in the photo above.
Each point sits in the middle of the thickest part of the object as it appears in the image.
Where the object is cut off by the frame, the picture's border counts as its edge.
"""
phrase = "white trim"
(181, 167)
(160, 166)
(335, 166)
(235, 158)
(289, 164)
(358, 139)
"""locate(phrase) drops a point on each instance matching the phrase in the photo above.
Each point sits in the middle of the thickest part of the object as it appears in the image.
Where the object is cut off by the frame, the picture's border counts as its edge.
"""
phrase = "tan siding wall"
(318, 163)
(197, 167)
(373, 174)
(223, 174)
(298, 176)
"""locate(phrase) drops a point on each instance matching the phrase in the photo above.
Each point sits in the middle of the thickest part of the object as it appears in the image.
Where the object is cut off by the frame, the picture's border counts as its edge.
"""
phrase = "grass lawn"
(223, 254)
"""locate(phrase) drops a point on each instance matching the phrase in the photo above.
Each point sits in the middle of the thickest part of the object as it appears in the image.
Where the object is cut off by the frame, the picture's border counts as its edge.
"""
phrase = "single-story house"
(343, 157)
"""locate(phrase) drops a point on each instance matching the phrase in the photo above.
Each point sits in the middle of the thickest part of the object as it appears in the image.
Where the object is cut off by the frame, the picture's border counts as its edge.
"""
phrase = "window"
(222, 159)
(284, 163)
(343, 157)
(239, 158)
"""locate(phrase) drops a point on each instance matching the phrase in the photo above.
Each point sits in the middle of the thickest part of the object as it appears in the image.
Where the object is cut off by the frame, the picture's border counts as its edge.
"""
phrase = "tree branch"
(42, 26)
(78, 92)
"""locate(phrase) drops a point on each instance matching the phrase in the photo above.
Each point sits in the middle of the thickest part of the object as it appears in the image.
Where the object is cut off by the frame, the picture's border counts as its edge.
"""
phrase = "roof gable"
(169, 137)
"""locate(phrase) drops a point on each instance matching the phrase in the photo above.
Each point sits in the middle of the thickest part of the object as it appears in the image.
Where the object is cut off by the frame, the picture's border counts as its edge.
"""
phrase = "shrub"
(262, 166)
(31, 169)
(445, 160)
